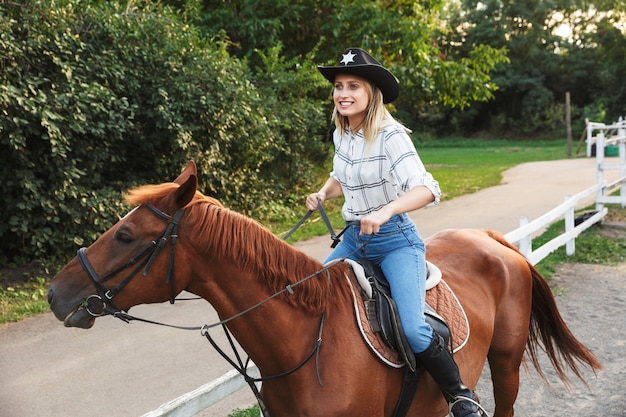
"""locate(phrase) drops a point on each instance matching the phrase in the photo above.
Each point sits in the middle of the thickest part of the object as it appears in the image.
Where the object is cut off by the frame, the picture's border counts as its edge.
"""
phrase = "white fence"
(605, 135)
(523, 235)
(203, 397)
(614, 131)
(602, 136)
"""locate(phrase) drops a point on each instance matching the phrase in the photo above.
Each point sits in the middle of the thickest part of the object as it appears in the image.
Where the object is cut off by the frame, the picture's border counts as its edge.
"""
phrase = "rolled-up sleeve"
(405, 164)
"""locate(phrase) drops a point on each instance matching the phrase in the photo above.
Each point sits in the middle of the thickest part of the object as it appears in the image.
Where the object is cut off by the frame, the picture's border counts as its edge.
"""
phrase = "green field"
(464, 166)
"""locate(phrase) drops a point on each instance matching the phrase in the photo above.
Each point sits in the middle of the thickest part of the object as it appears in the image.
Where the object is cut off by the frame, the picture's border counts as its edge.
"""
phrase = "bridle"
(143, 259)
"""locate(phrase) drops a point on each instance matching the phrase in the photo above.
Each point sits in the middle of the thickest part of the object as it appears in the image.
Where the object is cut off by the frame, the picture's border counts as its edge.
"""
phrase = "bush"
(96, 98)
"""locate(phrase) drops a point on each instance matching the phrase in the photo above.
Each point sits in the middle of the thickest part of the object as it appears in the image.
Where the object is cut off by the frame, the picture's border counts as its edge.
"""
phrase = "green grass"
(23, 300)
(464, 167)
(250, 412)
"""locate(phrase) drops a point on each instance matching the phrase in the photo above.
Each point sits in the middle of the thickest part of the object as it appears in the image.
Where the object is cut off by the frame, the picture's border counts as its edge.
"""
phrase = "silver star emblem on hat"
(347, 58)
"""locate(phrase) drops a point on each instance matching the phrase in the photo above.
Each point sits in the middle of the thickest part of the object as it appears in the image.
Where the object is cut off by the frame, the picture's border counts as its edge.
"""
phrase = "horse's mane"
(150, 194)
(234, 238)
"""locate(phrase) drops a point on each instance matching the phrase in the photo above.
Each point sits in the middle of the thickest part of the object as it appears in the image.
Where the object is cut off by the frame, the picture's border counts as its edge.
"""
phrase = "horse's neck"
(270, 333)
(248, 271)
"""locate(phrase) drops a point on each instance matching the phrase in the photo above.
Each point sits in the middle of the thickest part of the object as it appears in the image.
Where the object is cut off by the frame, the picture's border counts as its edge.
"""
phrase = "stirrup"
(460, 399)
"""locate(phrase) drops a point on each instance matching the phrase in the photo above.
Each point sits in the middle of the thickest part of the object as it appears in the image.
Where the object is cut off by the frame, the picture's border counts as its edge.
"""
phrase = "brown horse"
(234, 263)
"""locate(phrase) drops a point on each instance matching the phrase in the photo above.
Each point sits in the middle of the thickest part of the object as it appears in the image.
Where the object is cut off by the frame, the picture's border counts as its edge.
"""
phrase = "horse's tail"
(549, 331)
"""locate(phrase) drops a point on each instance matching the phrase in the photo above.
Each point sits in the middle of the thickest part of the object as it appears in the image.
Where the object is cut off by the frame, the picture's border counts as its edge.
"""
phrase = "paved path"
(125, 370)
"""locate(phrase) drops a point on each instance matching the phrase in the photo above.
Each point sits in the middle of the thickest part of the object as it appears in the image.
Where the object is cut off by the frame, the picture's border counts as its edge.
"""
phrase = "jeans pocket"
(413, 238)
(388, 230)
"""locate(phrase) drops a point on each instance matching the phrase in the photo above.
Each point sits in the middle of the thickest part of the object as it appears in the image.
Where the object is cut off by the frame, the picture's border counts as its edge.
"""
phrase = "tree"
(544, 64)
(403, 34)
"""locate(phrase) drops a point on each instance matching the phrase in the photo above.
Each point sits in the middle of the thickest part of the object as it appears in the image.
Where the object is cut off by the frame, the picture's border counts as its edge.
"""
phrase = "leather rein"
(101, 304)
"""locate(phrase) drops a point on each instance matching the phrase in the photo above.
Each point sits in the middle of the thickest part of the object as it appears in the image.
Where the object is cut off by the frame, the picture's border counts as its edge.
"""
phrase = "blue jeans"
(399, 251)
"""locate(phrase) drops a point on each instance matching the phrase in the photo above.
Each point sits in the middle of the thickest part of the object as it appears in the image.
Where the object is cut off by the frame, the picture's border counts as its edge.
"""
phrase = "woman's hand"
(313, 199)
(416, 198)
(332, 189)
(371, 223)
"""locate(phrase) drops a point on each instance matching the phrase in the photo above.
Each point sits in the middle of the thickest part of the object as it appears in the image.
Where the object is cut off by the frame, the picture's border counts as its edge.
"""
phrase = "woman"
(378, 171)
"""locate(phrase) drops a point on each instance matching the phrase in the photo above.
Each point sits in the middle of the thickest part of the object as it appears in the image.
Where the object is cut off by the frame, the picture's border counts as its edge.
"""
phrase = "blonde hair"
(376, 115)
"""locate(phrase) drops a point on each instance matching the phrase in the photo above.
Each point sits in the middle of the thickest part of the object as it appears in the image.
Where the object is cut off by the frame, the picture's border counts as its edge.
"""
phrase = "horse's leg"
(507, 347)
(505, 379)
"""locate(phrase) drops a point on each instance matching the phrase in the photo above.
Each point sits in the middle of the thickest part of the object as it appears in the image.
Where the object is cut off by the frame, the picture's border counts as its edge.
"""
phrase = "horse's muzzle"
(72, 314)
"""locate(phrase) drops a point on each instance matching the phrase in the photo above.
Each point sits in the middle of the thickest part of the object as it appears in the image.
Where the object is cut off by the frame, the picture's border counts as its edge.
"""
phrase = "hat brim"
(386, 82)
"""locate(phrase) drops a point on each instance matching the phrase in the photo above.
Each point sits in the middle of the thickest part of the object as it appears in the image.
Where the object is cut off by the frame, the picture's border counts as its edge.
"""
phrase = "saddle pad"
(441, 298)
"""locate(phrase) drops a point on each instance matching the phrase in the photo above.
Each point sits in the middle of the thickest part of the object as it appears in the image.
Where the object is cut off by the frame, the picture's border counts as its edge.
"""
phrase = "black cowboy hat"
(358, 62)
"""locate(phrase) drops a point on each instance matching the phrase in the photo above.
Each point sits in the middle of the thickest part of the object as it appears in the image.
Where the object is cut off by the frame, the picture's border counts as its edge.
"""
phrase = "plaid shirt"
(372, 175)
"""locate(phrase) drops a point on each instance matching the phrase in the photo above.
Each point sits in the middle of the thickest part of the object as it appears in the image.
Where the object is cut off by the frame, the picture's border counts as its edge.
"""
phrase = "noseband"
(143, 259)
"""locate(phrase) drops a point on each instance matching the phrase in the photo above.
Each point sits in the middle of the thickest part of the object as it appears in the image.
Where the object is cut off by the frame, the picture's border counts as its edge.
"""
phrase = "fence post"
(525, 243)
(621, 132)
(568, 123)
(570, 246)
(589, 127)
(599, 169)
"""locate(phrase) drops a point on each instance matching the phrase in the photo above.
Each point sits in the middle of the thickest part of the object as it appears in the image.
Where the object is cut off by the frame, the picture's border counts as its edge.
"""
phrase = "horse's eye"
(123, 237)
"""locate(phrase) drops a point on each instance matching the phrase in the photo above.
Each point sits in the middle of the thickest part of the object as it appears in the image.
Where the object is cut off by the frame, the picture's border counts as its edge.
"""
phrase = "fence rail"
(523, 235)
(203, 397)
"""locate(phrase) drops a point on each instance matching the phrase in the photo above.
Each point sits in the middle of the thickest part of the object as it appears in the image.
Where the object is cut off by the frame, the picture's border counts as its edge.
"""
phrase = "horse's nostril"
(50, 296)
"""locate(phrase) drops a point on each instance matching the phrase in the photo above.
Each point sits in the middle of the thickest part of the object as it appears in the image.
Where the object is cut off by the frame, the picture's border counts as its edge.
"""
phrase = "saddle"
(377, 317)
(382, 312)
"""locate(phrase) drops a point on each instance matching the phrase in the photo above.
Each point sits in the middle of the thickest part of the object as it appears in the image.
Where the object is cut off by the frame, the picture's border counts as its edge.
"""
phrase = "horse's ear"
(190, 169)
(183, 194)
(188, 181)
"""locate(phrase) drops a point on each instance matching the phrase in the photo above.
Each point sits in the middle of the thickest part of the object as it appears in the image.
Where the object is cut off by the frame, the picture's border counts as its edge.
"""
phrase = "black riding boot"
(438, 361)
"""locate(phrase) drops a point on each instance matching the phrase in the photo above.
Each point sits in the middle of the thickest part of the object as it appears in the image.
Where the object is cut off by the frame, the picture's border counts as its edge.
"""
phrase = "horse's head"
(130, 263)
